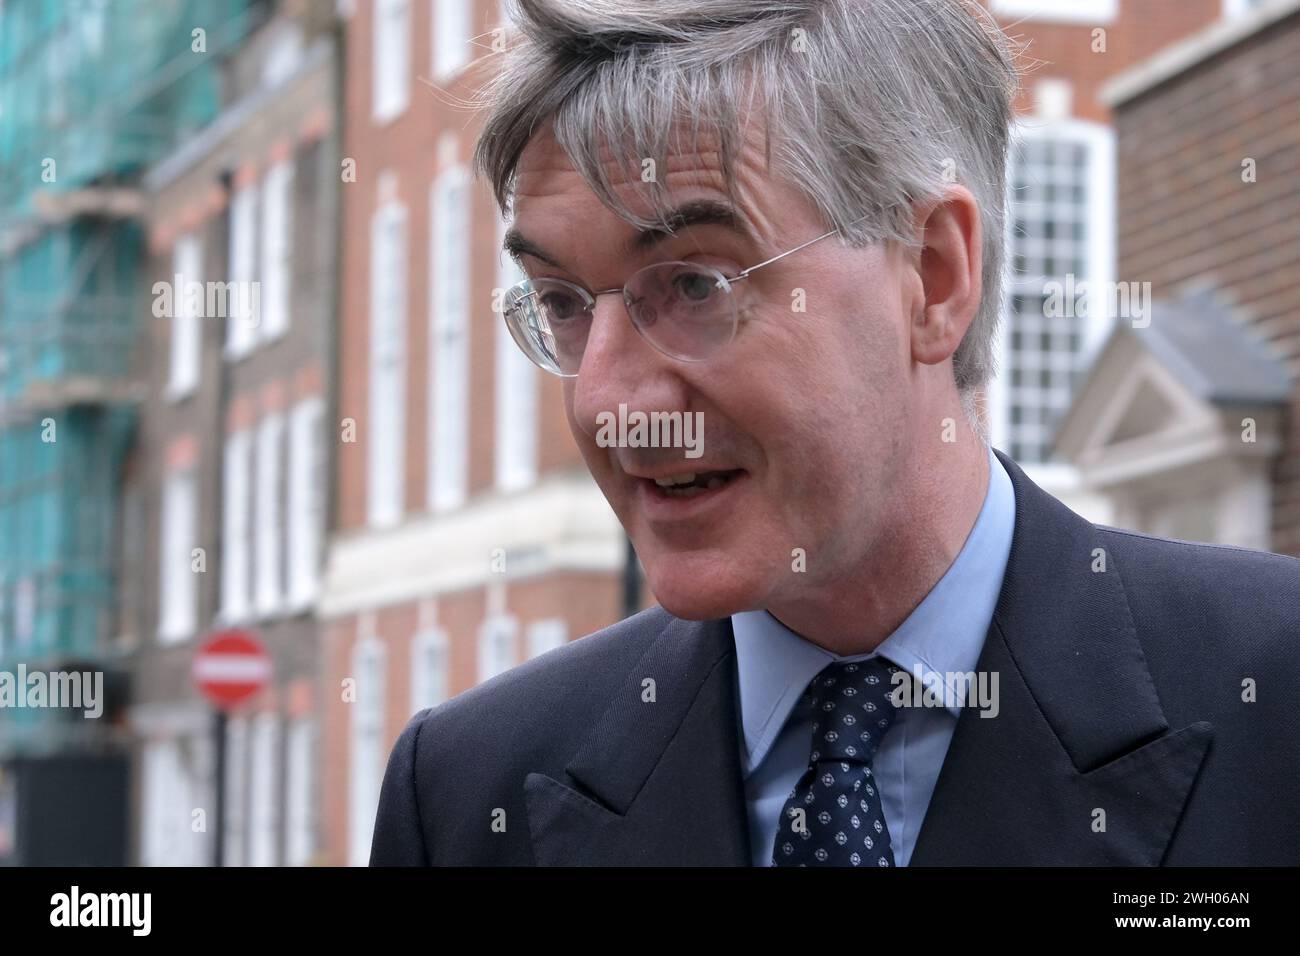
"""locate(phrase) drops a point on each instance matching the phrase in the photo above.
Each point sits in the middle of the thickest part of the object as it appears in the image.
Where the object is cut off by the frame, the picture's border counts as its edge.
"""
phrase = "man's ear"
(949, 265)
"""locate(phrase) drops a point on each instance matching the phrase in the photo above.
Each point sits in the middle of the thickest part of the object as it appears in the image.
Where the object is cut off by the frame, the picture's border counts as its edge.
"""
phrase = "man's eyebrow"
(697, 212)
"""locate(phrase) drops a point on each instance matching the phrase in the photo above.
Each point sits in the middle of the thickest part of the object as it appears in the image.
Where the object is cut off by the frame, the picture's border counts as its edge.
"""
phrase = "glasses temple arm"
(744, 273)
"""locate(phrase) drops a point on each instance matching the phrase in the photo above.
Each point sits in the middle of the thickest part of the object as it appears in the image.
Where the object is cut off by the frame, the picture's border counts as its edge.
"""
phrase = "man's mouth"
(689, 484)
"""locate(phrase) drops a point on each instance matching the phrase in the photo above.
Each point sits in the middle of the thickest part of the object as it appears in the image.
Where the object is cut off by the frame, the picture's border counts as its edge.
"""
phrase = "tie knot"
(851, 709)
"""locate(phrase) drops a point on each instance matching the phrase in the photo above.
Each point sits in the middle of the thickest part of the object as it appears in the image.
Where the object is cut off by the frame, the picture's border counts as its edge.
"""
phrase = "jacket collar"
(1079, 766)
(657, 781)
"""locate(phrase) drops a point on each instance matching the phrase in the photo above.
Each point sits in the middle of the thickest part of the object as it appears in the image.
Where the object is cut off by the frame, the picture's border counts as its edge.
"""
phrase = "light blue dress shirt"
(944, 634)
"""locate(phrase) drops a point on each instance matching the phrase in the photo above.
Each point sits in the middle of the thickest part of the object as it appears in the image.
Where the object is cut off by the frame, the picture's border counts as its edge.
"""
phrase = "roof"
(1214, 355)
(1176, 59)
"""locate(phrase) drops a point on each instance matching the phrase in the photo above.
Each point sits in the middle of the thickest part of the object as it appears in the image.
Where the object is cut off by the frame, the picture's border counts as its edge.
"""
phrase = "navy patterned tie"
(833, 816)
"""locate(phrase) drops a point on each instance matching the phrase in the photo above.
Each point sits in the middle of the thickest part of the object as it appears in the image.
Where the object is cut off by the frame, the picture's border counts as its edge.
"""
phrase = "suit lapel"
(657, 781)
(1079, 740)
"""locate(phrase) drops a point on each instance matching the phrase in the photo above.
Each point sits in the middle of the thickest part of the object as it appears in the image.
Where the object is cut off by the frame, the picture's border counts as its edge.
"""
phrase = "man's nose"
(618, 367)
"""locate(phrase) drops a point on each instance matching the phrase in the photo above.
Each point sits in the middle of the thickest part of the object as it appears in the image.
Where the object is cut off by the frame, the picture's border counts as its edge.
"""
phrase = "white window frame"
(517, 387)
(1101, 259)
(1098, 12)
(300, 825)
(430, 664)
(386, 432)
(451, 35)
(306, 499)
(368, 746)
(243, 321)
(283, 55)
(390, 54)
(234, 845)
(186, 346)
(170, 796)
(546, 635)
(268, 590)
(497, 646)
(24, 612)
(236, 519)
(157, 770)
(277, 251)
(449, 339)
(178, 585)
(264, 790)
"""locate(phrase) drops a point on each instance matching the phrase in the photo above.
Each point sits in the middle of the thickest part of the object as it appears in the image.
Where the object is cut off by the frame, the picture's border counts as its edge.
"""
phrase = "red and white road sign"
(230, 667)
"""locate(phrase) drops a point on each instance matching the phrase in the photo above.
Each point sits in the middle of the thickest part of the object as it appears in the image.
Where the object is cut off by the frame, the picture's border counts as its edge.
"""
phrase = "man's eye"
(560, 306)
(695, 286)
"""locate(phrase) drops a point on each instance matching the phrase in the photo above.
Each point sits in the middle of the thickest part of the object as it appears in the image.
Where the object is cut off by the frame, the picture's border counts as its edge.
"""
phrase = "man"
(879, 644)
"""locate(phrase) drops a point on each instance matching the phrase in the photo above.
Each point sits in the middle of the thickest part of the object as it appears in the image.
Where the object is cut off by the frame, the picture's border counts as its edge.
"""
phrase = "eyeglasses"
(686, 310)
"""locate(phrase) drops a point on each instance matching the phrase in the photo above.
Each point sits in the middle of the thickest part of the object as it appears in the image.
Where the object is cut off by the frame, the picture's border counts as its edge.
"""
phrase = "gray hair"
(875, 105)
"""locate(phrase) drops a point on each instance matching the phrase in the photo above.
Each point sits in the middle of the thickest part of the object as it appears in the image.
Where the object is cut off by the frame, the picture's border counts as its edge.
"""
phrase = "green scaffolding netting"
(92, 92)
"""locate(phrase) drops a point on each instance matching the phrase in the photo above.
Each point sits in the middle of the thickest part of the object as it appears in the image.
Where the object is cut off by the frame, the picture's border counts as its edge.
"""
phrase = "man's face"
(804, 413)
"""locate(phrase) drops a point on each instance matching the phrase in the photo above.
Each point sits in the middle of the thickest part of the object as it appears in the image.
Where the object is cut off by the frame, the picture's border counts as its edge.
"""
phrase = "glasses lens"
(684, 309)
(549, 319)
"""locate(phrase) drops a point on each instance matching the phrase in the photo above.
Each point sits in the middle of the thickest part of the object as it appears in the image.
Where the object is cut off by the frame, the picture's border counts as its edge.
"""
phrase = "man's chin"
(702, 596)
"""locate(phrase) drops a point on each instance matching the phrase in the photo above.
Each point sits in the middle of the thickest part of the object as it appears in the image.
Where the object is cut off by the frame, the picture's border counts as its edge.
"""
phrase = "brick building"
(469, 536)
(1062, 210)
(1189, 423)
(468, 533)
(226, 488)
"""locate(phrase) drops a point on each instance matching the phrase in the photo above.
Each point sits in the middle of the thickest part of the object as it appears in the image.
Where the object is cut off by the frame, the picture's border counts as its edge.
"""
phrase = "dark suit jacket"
(1120, 690)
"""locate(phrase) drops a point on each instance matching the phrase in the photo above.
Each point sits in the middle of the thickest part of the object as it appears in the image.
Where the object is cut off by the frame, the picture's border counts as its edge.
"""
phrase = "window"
(387, 424)
(187, 312)
(1076, 11)
(299, 833)
(241, 326)
(24, 603)
(263, 807)
(546, 636)
(277, 222)
(92, 25)
(516, 396)
(1061, 242)
(428, 668)
(368, 747)
(60, 51)
(391, 58)
(161, 774)
(235, 514)
(449, 340)
(270, 454)
(236, 768)
(306, 498)
(451, 35)
(173, 785)
(496, 647)
(283, 56)
(178, 586)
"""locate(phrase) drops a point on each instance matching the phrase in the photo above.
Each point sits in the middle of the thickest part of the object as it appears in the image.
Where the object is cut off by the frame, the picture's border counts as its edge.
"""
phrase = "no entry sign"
(230, 667)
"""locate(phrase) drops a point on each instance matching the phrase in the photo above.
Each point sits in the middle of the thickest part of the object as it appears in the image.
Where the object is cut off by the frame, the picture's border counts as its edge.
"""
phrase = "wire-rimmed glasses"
(686, 310)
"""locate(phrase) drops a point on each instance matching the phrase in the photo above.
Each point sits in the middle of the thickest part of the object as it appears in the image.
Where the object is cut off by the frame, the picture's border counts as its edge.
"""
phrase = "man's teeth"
(683, 486)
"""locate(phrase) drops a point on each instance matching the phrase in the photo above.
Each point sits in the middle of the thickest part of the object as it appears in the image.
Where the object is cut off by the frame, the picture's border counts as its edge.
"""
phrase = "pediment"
(1131, 407)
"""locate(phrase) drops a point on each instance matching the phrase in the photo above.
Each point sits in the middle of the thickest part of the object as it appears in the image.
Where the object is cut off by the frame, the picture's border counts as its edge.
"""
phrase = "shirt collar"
(943, 634)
